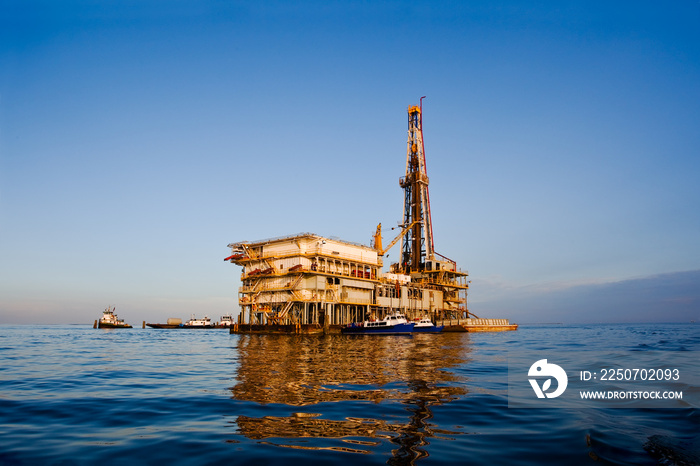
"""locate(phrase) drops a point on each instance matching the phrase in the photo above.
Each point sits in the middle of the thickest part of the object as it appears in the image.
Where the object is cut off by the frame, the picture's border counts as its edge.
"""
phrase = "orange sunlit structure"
(307, 283)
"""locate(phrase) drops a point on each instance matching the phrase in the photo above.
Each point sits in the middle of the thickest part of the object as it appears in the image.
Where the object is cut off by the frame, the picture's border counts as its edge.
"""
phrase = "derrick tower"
(417, 244)
(418, 255)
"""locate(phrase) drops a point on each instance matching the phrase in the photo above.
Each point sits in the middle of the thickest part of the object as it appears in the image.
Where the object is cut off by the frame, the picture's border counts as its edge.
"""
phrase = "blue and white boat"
(424, 325)
(395, 324)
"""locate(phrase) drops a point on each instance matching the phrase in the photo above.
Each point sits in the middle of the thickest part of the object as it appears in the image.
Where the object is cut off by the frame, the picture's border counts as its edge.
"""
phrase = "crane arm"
(379, 249)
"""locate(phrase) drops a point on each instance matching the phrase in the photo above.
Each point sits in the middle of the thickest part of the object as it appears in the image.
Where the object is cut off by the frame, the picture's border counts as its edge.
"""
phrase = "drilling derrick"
(418, 255)
(417, 244)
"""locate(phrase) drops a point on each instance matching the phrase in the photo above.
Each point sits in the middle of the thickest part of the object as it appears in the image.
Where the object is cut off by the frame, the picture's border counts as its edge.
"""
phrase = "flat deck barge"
(479, 325)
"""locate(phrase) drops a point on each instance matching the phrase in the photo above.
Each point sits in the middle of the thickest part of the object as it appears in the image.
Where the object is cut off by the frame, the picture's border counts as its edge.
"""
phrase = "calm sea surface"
(78, 395)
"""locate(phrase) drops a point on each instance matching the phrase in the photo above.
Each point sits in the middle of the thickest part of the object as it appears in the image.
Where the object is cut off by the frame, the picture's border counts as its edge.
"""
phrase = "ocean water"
(78, 395)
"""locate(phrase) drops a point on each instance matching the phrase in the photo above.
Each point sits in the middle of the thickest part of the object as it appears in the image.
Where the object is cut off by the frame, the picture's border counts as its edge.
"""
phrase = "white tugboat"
(226, 321)
(109, 320)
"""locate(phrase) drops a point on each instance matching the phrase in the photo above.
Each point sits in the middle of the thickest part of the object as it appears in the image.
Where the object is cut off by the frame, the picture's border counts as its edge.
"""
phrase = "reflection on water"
(412, 372)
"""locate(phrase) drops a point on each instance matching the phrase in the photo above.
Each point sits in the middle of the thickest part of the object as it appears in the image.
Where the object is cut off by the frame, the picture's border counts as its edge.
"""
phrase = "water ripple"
(83, 396)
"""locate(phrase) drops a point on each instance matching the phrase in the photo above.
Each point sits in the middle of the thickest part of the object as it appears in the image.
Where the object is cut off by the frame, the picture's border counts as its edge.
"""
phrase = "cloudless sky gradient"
(139, 138)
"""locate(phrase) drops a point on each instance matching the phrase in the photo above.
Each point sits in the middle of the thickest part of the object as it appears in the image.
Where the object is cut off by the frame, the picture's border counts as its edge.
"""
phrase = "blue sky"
(137, 139)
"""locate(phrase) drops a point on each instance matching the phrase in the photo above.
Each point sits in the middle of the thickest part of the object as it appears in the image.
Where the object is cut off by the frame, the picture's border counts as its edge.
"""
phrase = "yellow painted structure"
(307, 282)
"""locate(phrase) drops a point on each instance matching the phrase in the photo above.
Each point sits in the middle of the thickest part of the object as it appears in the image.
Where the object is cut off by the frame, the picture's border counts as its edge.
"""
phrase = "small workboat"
(198, 323)
(395, 324)
(225, 322)
(109, 320)
(424, 325)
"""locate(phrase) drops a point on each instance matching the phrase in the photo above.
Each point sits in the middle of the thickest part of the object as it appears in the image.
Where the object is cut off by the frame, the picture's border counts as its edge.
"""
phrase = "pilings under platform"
(478, 325)
(284, 329)
(461, 325)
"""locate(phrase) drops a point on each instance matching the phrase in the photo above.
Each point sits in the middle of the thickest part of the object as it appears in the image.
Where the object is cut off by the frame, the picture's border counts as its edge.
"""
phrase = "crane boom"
(378, 238)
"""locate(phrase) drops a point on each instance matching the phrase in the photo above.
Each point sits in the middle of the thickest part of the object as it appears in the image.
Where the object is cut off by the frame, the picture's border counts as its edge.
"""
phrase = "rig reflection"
(299, 371)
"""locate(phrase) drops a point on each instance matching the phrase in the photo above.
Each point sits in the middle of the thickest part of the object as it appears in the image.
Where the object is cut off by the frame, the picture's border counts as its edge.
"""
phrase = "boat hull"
(430, 329)
(108, 325)
(398, 329)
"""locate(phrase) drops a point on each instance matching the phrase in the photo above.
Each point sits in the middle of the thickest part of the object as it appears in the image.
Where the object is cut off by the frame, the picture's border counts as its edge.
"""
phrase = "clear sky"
(139, 138)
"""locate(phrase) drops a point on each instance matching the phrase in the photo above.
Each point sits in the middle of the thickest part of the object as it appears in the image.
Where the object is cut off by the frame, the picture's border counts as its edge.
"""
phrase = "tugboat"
(109, 320)
(198, 323)
(225, 322)
(395, 324)
(424, 325)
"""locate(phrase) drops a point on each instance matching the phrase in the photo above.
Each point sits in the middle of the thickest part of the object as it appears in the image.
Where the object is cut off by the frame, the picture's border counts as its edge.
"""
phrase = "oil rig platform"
(306, 283)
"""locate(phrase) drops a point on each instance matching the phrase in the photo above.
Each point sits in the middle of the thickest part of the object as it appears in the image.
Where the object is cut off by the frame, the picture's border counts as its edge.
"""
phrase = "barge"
(194, 323)
(479, 325)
